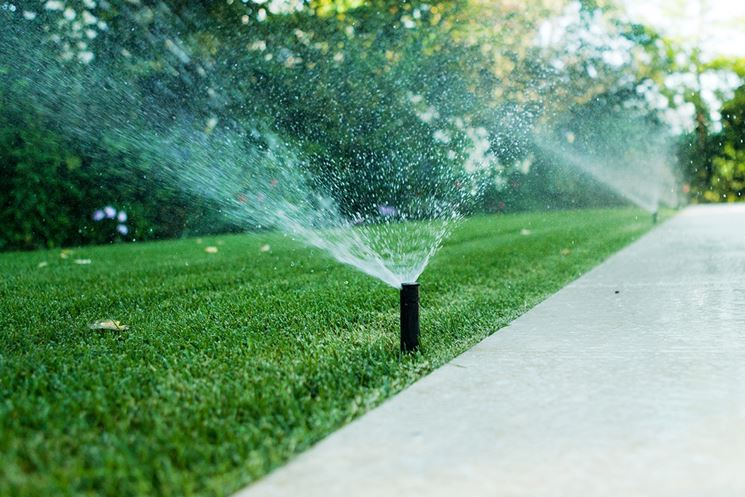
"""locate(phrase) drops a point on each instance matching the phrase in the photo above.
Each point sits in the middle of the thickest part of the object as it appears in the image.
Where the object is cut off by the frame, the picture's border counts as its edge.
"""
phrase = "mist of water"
(386, 218)
(255, 176)
(630, 155)
(271, 186)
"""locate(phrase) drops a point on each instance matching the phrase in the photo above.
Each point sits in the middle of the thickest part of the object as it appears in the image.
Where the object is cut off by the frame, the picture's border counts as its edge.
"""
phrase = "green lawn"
(236, 360)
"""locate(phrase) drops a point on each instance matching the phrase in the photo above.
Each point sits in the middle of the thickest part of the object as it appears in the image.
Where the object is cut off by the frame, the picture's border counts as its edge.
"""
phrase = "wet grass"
(236, 360)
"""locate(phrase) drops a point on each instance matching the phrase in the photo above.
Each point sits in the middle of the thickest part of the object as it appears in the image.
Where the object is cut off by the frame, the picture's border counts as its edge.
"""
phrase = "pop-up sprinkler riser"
(409, 317)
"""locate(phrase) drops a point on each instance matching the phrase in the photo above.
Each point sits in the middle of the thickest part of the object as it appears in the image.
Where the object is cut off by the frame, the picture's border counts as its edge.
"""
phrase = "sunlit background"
(328, 113)
(717, 27)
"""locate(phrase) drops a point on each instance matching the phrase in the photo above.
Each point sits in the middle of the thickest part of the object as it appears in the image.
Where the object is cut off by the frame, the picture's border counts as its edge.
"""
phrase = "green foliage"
(52, 188)
(729, 174)
(40, 203)
(724, 175)
(237, 360)
(679, 71)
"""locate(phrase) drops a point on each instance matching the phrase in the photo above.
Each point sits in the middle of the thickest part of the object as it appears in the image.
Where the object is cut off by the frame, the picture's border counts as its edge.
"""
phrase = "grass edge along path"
(241, 355)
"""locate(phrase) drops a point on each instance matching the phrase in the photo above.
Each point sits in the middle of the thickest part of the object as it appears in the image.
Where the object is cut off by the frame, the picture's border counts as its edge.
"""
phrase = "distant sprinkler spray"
(409, 317)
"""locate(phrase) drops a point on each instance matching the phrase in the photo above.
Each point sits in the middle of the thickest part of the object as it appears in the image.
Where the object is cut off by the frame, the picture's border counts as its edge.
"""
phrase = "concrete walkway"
(629, 382)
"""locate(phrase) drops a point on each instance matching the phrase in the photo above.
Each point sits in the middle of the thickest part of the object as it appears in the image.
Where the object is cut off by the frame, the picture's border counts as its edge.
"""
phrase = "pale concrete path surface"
(629, 382)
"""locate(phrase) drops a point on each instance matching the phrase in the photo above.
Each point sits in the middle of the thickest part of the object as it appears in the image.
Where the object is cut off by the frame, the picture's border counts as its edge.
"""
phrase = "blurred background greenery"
(355, 83)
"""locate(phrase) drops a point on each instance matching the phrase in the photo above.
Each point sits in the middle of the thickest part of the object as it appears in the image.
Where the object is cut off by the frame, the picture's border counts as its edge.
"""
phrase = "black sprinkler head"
(654, 217)
(409, 317)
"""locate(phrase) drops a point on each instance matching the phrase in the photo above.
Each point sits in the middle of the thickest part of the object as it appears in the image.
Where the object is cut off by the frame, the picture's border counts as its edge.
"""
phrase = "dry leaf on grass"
(108, 325)
(211, 250)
